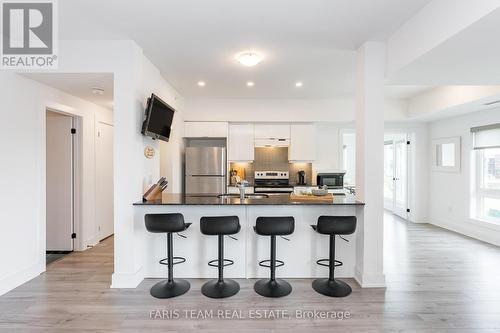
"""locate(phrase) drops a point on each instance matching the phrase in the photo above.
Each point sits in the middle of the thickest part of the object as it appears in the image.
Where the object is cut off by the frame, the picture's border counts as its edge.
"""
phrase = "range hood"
(272, 142)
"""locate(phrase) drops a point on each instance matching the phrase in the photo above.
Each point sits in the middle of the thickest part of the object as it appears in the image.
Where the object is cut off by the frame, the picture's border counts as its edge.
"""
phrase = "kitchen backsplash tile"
(294, 169)
(273, 158)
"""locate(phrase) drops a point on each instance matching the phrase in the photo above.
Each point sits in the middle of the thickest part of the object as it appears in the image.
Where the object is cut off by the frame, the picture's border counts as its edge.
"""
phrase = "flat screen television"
(158, 121)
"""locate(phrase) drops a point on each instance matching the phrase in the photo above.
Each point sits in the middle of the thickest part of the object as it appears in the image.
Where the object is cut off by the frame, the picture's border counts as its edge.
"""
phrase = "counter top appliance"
(301, 175)
(333, 180)
(270, 182)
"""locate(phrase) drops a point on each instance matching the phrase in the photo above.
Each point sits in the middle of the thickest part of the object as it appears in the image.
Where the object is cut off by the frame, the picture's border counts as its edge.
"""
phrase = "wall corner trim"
(375, 280)
(127, 280)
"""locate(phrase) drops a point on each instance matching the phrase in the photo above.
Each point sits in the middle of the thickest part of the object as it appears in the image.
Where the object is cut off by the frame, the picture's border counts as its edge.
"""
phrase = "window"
(488, 189)
(486, 143)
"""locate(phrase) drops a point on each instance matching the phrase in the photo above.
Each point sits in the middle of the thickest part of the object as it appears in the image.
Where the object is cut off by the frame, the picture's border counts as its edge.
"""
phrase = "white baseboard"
(376, 280)
(127, 280)
(15, 280)
(471, 230)
(418, 220)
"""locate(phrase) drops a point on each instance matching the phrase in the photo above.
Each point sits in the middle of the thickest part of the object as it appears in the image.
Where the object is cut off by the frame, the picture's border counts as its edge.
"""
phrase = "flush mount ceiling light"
(298, 84)
(249, 58)
(201, 83)
(98, 91)
(250, 84)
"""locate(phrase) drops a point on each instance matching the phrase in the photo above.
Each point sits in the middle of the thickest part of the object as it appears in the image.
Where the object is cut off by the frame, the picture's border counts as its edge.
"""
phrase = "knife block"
(153, 193)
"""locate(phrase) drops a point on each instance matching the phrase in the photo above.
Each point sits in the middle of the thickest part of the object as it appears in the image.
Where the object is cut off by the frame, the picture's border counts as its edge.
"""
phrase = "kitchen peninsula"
(299, 251)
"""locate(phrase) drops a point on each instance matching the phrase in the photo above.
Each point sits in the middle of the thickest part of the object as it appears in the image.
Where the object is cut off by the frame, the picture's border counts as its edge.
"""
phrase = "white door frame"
(401, 211)
(403, 136)
(98, 232)
(77, 177)
(389, 202)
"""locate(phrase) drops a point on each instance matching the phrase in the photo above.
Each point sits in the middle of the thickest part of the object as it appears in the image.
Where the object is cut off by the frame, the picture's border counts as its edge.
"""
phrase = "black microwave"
(334, 180)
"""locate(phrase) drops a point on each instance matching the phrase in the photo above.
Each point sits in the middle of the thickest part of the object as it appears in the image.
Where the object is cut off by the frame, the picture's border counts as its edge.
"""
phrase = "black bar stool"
(273, 226)
(168, 223)
(220, 226)
(333, 225)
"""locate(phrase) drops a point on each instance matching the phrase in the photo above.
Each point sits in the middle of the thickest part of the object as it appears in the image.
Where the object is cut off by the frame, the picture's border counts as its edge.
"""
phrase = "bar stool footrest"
(326, 262)
(267, 263)
(180, 260)
(215, 262)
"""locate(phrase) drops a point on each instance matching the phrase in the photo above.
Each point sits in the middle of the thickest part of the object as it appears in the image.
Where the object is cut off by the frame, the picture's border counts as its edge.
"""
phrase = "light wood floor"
(437, 281)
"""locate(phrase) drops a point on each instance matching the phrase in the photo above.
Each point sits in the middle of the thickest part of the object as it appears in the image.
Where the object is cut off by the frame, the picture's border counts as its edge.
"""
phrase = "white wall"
(22, 171)
(450, 193)
(133, 75)
(167, 161)
(288, 110)
(25, 232)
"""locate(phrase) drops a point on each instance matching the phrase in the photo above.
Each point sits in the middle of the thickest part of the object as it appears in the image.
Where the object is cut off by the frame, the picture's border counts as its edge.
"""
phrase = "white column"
(370, 163)
(129, 172)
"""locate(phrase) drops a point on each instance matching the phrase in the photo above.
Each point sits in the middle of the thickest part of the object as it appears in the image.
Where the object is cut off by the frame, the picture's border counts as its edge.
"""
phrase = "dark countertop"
(276, 199)
(291, 184)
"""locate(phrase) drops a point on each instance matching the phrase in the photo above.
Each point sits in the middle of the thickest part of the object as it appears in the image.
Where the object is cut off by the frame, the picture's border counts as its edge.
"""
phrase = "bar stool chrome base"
(272, 288)
(332, 288)
(220, 289)
(168, 289)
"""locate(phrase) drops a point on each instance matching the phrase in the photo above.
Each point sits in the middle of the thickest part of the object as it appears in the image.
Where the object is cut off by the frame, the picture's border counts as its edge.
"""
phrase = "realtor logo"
(28, 34)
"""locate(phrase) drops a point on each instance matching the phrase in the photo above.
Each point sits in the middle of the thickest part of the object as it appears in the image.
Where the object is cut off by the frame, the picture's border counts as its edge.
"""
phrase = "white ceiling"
(471, 57)
(80, 85)
(312, 41)
(404, 92)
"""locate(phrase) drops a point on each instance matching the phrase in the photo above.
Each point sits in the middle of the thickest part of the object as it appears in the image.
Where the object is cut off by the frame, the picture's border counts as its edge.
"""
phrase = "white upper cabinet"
(302, 143)
(272, 131)
(205, 129)
(241, 142)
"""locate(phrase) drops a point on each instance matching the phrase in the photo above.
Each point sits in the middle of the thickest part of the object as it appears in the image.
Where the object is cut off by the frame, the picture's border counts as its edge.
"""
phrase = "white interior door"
(400, 177)
(104, 180)
(59, 182)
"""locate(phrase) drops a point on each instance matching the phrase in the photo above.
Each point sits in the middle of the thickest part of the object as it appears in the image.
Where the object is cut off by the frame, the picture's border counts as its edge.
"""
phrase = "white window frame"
(481, 192)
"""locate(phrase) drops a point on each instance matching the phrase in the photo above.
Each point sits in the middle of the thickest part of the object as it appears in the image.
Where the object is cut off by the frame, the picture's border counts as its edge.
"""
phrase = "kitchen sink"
(228, 195)
(247, 196)
(256, 196)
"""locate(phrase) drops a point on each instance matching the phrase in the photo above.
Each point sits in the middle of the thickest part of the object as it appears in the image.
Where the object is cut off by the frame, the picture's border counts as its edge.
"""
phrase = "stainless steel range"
(272, 182)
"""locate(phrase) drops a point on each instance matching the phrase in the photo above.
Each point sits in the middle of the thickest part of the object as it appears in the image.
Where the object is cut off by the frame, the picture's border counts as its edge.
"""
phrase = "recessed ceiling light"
(250, 84)
(98, 91)
(298, 84)
(249, 58)
(201, 83)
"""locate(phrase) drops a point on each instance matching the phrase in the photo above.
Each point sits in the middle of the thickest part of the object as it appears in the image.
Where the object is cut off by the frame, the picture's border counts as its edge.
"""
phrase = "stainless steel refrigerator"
(205, 170)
